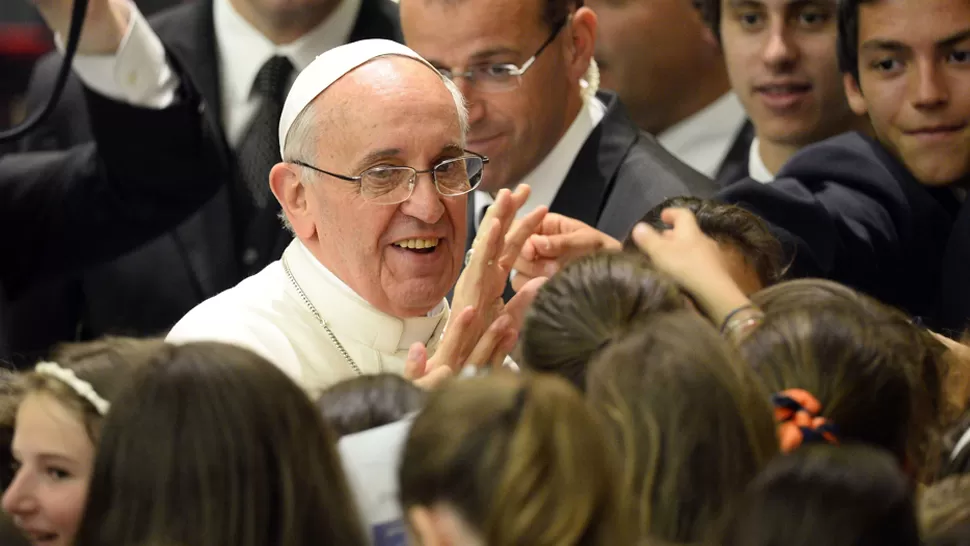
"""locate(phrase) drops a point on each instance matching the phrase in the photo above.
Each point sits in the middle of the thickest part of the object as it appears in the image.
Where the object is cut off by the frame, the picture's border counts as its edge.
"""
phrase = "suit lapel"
(735, 164)
(590, 179)
(207, 238)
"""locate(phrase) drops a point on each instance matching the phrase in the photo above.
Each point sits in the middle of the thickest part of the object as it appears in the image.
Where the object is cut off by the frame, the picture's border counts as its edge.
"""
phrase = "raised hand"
(557, 241)
(104, 28)
(492, 326)
(494, 252)
(693, 260)
(490, 350)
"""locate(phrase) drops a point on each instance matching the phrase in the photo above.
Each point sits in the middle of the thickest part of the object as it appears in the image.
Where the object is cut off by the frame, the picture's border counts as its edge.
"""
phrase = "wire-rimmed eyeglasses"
(501, 76)
(393, 184)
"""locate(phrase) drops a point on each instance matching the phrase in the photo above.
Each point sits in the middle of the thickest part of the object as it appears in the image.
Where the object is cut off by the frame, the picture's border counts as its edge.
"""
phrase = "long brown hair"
(862, 372)
(212, 445)
(822, 494)
(106, 364)
(521, 458)
(857, 352)
(945, 507)
(591, 302)
(689, 420)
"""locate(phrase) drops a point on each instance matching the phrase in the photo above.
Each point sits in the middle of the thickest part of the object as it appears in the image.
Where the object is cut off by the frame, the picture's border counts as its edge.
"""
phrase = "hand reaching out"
(693, 260)
(494, 251)
(557, 241)
(490, 350)
(483, 329)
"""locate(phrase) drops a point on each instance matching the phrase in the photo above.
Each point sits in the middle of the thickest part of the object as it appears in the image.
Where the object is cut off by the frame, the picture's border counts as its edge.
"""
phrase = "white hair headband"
(78, 385)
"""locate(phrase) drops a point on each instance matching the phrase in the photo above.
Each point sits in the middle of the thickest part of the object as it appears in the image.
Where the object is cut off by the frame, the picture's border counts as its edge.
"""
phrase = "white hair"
(590, 83)
(303, 136)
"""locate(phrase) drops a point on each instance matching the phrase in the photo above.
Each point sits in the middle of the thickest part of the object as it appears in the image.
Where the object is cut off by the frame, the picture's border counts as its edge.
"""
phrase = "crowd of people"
(493, 272)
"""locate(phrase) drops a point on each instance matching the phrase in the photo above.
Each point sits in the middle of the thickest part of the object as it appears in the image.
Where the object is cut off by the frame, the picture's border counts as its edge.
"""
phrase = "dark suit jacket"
(735, 164)
(853, 213)
(619, 174)
(64, 210)
(146, 291)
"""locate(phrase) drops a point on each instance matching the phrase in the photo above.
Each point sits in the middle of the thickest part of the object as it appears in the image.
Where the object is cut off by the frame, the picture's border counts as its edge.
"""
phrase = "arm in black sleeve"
(849, 212)
(146, 171)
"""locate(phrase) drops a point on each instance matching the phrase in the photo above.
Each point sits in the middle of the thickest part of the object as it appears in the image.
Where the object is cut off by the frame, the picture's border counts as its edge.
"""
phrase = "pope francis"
(374, 184)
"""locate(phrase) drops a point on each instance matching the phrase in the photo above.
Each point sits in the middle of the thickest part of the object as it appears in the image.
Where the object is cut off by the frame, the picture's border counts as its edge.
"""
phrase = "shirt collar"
(354, 318)
(756, 167)
(704, 139)
(548, 176)
(243, 50)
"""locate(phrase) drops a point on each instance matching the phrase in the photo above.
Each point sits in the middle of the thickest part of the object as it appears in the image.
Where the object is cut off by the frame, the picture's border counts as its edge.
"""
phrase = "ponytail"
(521, 458)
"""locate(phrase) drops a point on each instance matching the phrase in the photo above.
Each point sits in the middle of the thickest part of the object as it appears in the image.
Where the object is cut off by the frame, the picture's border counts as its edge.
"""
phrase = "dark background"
(23, 39)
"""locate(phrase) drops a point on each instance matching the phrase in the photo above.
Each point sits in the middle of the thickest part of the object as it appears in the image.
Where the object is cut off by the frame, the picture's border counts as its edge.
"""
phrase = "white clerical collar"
(549, 175)
(704, 139)
(243, 50)
(351, 317)
(756, 167)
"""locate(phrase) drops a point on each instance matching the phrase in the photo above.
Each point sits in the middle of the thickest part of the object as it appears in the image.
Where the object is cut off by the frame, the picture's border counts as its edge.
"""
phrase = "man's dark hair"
(728, 224)
(555, 11)
(848, 42)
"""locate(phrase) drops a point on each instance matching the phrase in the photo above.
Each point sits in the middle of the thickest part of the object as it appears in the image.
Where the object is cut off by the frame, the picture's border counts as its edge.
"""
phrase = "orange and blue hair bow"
(797, 415)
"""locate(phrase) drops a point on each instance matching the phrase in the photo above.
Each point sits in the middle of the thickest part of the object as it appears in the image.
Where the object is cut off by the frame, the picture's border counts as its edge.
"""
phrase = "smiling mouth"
(938, 130)
(40, 538)
(784, 89)
(418, 246)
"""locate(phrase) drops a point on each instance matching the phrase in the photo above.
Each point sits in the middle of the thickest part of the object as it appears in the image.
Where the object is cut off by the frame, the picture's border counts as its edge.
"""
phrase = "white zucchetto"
(329, 67)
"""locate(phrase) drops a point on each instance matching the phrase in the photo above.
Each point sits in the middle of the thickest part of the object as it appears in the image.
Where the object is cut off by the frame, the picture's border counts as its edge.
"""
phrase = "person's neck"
(284, 28)
(714, 85)
(775, 154)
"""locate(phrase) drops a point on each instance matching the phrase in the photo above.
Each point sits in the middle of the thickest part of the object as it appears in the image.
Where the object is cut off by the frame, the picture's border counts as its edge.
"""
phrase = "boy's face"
(914, 83)
(781, 59)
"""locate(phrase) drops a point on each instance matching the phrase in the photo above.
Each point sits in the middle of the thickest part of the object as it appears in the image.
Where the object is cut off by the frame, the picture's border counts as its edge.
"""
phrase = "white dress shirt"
(703, 140)
(137, 73)
(549, 175)
(370, 460)
(243, 50)
(756, 166)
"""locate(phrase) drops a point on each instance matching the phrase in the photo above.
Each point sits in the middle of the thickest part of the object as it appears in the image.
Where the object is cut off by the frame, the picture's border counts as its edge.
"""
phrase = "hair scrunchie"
(797, 415)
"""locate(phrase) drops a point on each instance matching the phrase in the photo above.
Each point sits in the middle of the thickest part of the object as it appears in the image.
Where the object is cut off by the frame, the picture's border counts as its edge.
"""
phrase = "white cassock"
(302, 317)
(267, 314)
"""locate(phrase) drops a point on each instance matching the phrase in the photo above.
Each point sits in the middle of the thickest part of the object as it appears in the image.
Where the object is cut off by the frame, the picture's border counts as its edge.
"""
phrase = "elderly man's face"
(515, 128)
(391, 111)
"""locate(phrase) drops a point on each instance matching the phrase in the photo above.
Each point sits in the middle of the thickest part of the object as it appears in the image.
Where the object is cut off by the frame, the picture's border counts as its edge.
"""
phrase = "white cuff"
(138, 73)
